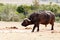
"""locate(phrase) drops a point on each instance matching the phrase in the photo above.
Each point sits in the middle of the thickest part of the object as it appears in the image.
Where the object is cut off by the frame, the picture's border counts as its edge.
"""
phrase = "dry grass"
(23, 33)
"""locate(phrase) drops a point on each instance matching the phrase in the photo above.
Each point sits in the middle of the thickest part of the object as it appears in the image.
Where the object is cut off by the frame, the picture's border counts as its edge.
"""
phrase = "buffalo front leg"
(37, 28)
(33, 28)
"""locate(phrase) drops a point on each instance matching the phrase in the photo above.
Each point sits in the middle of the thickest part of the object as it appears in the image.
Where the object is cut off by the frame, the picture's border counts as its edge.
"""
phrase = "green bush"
(20, 9)
(57, 19)
(23, 8)
(8, 12)
(1, 4)
(53, 8)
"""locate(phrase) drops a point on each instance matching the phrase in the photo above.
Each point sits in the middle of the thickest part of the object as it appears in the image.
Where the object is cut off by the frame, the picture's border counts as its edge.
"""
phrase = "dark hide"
(42, 17)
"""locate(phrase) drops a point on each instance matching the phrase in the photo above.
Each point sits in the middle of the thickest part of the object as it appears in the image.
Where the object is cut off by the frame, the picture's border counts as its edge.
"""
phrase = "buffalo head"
(26, 22)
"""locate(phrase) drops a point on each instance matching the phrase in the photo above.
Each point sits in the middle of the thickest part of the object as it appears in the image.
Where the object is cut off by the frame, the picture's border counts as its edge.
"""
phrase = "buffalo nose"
(22, 24)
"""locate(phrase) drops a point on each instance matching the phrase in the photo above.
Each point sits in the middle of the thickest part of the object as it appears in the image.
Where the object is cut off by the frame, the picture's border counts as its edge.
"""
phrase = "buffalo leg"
(38, 28)
(45, 25)
(34, 28)
(52, 28)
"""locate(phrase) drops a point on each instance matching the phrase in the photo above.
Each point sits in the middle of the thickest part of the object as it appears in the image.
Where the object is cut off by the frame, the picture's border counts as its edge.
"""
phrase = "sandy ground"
(25, 34)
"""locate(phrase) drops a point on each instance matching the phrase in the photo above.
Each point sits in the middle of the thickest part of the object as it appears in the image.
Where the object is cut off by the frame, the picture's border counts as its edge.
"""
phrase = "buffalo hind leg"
(45, 25)
(52, 28)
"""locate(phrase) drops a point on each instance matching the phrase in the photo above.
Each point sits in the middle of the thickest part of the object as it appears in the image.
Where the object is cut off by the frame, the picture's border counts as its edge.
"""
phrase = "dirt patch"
(14, 31)
(11, 27)
(28, 28)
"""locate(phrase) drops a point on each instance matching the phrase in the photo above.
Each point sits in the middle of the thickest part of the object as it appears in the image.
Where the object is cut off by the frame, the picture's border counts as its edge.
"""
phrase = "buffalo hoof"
(37, 31)
(52, 29)
(32, 31)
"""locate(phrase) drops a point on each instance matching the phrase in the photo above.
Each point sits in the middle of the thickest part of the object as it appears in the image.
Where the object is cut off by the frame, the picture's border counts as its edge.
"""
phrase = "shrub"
(57, 19)
(20, 9)
(1, 4)
(23, 9)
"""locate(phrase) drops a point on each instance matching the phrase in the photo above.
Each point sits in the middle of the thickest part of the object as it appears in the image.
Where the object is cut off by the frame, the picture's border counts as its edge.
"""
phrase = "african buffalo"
(42, 17)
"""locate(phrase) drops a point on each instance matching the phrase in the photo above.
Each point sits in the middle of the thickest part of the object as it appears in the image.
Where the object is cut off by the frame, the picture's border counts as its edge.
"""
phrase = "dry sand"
(25, 34)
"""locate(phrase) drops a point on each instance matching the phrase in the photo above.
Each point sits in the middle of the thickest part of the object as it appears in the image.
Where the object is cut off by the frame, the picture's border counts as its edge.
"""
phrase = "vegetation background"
(10, 12)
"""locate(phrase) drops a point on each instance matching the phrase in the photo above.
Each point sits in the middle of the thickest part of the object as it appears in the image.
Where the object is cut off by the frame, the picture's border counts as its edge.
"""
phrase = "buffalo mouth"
(24, 25)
